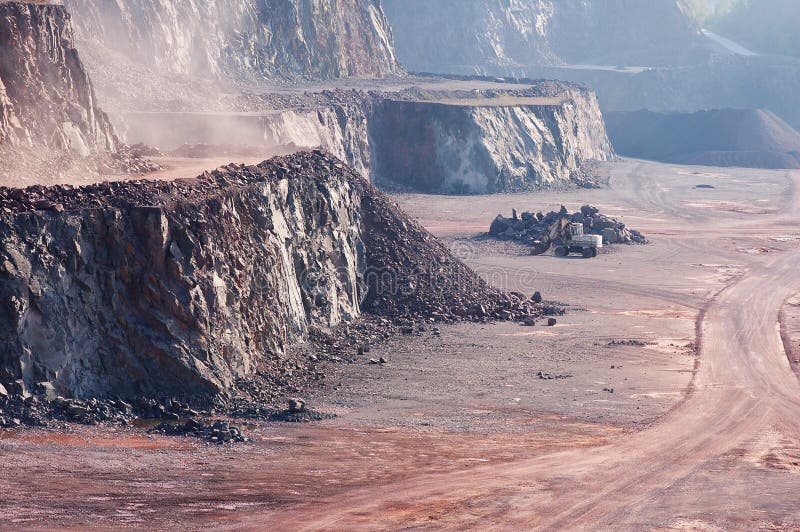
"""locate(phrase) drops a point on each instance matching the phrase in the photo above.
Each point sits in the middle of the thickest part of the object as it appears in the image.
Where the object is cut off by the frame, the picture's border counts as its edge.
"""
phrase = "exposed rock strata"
(322, 39)
(162, 289)
(486, 146)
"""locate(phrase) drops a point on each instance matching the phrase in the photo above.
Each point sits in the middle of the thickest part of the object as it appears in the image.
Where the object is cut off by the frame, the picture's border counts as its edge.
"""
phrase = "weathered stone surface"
(46, 98)
(242, 38)
(483, 146)
(181, 289)
(153, 287)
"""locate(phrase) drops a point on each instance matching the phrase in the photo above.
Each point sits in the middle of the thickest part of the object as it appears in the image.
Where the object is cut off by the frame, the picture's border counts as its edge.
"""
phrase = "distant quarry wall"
(46, 98)
(443, 143)
(257, 39)
(486, 147)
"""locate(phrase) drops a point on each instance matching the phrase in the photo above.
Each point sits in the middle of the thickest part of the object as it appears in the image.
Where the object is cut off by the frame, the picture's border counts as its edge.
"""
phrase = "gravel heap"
(531, 227)
(411, 275)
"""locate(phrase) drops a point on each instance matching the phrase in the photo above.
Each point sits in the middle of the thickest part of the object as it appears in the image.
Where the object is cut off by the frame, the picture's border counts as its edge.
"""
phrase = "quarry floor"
(459, 431)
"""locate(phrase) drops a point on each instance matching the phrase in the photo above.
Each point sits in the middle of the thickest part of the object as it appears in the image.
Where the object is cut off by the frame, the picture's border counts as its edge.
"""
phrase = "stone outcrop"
(181, 289)
(504, 36)
(247, 39)
(46, 97)
(487, 146)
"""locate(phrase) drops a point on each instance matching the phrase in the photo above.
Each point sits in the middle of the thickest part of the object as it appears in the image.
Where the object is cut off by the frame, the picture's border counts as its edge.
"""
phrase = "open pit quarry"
(481, 140)
(259, 292)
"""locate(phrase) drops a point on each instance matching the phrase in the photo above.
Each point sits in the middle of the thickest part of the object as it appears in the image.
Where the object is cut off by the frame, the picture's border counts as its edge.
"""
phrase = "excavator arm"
(557, 231)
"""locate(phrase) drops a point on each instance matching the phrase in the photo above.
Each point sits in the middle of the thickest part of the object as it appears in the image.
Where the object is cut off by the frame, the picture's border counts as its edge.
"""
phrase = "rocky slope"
(182, 289)
(322, 39)
(46, 98)
(721, 137)
(499, 37)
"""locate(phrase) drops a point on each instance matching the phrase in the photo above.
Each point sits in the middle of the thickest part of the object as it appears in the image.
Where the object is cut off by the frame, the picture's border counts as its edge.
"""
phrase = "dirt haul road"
(743, 391)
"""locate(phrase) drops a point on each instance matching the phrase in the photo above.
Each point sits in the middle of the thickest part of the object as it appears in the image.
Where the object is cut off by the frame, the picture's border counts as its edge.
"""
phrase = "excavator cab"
(575, 230)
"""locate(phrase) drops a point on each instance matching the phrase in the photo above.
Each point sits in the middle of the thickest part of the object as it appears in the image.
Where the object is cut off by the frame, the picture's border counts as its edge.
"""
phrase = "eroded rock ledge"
(183, 288)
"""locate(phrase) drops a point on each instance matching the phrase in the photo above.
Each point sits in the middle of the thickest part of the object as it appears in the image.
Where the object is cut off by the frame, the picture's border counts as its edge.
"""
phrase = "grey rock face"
(479, 36)
(475, 148)
(156, 289)
(243, 38)
(180, 291)
(46, 98)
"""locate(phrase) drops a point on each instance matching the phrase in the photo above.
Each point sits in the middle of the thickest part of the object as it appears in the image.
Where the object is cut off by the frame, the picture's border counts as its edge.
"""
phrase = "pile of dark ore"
(530, 227)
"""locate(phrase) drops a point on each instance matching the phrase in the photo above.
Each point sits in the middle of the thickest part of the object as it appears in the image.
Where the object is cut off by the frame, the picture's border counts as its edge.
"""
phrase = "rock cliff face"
(322, 39)
(180, 289)
(152, 287)
(496, 36)
(487, 147)
(46, 98)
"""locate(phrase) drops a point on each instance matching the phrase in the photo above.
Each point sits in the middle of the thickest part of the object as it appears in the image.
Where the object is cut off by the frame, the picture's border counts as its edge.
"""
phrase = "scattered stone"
(551, 322)
(529, 322)
(220, 432)
(548, 377)
(537, 297)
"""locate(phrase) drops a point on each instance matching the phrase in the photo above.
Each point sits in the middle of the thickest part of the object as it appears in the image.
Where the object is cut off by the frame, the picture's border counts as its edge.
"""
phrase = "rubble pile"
(412, 276)
(41, 409)
(529, 227)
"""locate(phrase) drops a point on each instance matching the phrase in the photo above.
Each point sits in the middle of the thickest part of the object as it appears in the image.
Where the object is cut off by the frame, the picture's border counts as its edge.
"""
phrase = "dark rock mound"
(724, 137)
(411, 274)
(529, 227)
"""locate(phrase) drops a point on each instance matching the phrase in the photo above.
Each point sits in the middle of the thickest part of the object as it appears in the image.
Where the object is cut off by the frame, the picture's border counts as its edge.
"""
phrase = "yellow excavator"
(568, 237)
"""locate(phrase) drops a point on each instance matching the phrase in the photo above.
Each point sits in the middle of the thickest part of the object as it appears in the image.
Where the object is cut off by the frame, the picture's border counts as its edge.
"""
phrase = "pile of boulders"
(529, 227)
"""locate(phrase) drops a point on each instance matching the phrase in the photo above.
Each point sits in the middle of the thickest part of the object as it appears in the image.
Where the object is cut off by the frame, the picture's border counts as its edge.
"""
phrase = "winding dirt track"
(744, 385)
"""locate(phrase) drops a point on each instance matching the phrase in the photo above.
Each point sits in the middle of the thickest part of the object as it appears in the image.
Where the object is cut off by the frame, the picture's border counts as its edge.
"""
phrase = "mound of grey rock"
(529, 227)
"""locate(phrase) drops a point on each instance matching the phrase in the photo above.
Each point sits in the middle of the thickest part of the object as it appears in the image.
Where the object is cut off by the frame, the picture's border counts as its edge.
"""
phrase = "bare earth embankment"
(459, 428)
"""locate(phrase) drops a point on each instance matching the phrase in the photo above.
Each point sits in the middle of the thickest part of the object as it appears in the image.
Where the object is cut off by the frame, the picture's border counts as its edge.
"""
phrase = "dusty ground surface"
(458, 430)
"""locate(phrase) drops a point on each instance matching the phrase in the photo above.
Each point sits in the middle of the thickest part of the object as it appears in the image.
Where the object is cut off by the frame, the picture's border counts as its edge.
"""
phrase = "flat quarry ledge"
(499, 101)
